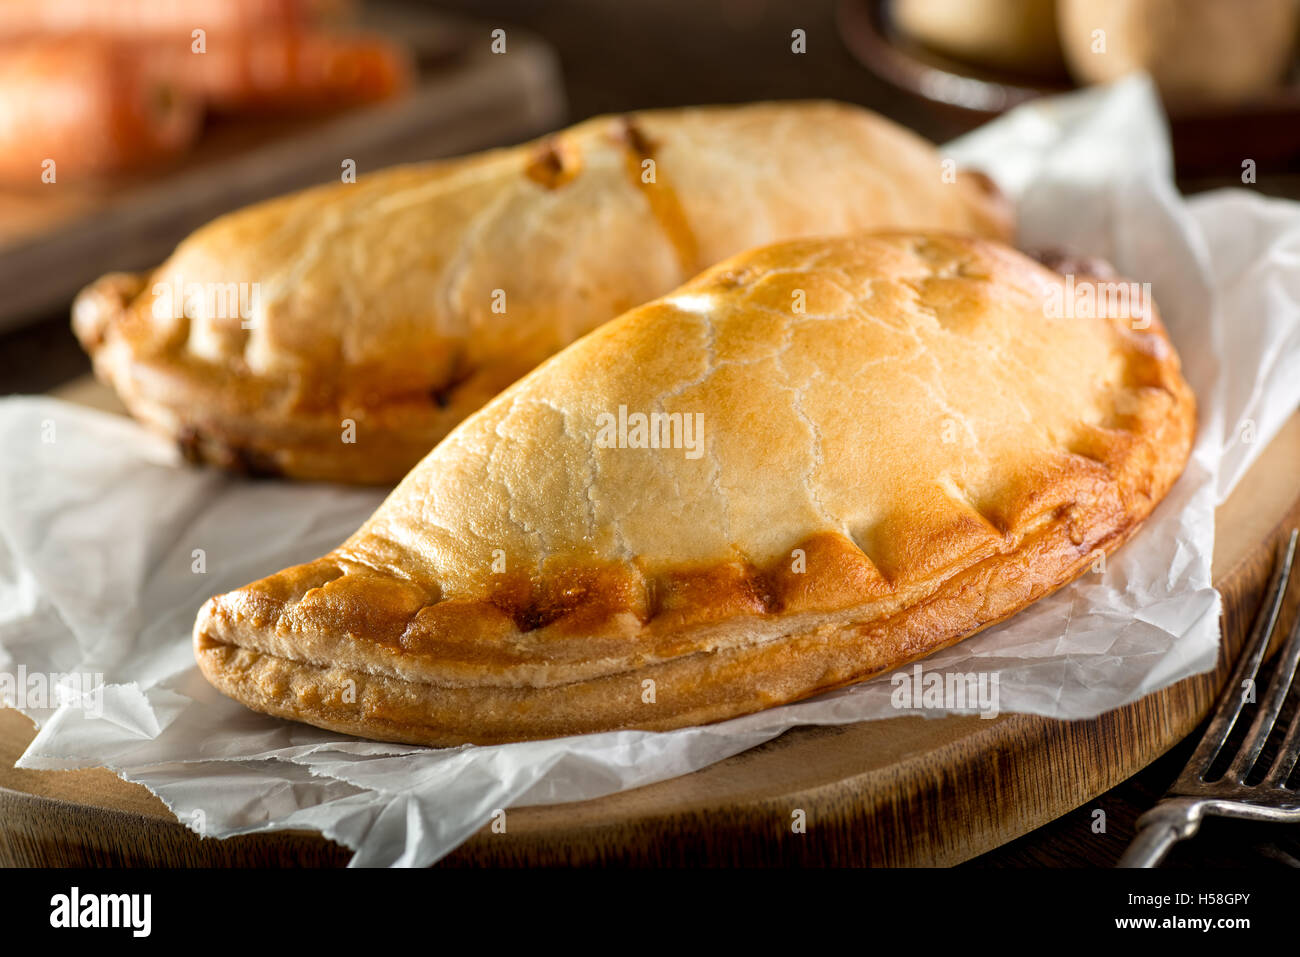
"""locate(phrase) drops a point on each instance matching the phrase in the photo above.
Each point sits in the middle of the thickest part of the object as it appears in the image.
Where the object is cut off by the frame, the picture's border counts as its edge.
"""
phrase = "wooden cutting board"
(904, 791)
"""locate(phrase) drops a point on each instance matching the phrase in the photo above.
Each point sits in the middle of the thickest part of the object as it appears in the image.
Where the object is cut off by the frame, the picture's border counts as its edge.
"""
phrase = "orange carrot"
(282, 72)
(89, 105)
(142, 18)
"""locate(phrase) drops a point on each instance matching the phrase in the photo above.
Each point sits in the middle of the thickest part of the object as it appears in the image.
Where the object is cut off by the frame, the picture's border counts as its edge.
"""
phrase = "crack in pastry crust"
(917, 454)
(376, 299)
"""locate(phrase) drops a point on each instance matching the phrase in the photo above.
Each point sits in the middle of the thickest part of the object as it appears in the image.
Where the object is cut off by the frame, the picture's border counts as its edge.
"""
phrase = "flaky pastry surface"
(900, 446)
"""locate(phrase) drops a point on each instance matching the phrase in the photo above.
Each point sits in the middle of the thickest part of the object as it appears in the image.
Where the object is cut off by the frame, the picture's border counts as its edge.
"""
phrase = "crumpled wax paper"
(108, 544)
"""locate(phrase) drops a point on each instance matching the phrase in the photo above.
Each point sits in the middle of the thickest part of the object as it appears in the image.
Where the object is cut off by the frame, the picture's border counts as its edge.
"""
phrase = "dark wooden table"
(622, 55)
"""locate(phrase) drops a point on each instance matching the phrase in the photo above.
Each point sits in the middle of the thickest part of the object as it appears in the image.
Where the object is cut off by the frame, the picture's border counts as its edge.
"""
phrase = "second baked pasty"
(812, 463)
(340, 332)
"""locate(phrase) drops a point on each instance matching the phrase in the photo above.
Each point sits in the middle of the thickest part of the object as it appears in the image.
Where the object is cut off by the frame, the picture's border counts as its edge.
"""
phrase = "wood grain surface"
(904, 791)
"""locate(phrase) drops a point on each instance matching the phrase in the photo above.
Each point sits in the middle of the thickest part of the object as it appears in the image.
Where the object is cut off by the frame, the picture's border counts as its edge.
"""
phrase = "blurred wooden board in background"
(56, 238)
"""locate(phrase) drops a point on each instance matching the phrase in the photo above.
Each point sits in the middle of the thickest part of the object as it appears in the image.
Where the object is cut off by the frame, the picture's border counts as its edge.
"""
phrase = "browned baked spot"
(554, 163)
(200, 449)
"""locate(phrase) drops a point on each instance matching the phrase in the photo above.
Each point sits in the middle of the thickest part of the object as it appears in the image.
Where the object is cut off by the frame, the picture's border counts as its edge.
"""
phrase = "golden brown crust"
(375, 303)
(921, 451)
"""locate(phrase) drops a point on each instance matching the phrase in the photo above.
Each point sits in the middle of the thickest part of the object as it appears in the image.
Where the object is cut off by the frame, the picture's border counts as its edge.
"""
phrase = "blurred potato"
(1015, 35)
(1197, 51)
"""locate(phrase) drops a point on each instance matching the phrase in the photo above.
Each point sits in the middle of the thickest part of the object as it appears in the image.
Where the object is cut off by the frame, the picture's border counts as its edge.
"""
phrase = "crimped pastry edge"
(703, 686)
(692, 690)
(248, 436)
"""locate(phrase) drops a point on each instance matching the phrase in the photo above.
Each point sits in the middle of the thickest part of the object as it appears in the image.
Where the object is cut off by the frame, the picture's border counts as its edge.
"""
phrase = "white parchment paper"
(108, 544)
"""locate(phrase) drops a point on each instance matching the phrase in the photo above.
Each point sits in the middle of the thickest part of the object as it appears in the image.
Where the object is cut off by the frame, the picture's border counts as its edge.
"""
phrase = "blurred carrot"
(143, 18)
(264, 72)
(90, 106)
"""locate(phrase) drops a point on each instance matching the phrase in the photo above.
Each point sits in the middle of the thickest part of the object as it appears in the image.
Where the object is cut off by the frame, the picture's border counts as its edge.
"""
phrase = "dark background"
(620, 55)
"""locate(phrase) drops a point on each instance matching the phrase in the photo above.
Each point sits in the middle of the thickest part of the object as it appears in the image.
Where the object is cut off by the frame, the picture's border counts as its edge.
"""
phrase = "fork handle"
(1150, 846)
(1159, 829)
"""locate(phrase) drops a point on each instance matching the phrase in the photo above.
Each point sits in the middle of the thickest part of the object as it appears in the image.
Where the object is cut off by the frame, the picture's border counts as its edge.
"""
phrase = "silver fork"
(1179, 813)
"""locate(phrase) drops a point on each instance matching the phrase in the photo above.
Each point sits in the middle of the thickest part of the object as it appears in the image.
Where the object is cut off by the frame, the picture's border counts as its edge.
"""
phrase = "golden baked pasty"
(814, 462)
(340, 332)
